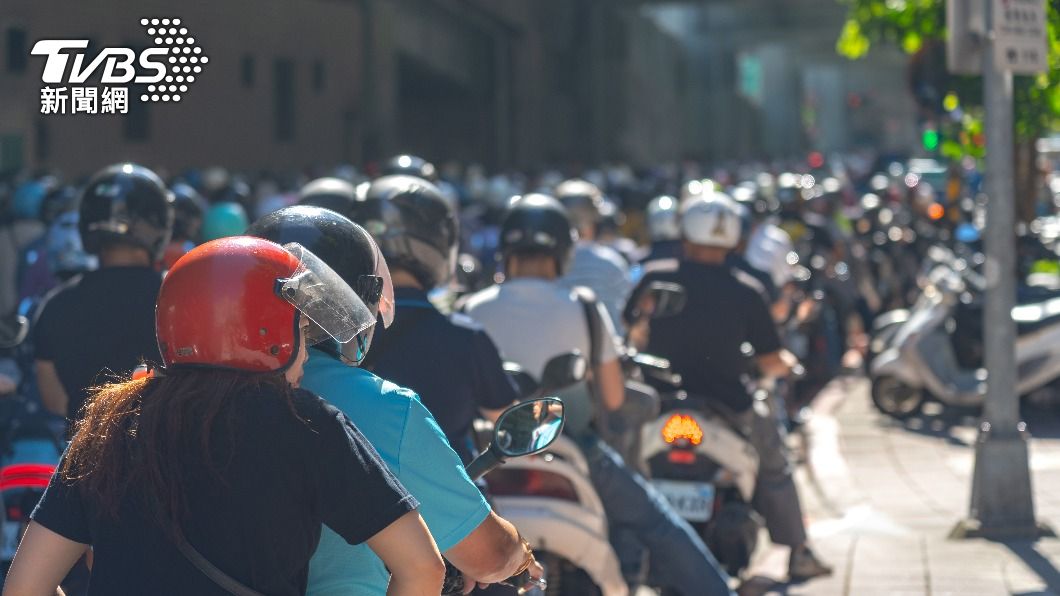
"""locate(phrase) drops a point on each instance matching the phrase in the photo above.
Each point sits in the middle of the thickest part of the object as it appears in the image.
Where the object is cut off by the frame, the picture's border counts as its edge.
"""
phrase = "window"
(284, 109)
(17, 52)
(318, 76)
(246, 69)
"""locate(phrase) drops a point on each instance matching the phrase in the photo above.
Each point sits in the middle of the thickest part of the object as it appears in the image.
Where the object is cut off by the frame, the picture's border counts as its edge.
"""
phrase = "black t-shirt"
(449, 361)
(283, 477)
(769, 290)
(724, 309)
(101, 321)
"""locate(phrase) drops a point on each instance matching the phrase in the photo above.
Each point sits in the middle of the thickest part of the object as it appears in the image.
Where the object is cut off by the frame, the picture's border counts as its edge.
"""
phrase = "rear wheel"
(895, 398)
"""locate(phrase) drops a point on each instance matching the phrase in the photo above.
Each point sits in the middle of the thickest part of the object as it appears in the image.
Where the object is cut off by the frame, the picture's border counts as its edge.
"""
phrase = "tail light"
(681, 456)
(682, 430)
(520, 482)
(25, 476)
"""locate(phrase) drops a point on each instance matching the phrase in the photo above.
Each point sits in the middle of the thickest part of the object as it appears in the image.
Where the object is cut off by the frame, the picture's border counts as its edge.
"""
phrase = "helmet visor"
(335, 311)
(386, 298)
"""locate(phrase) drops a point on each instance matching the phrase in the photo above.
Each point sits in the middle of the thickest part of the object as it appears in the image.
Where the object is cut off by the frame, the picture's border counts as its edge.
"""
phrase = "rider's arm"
(610, 384)
(607, 369)
(491, 553)
(474, 539)
(408, 551)
(52, 394)
(777, 364)
(42, 561)
(773, 360)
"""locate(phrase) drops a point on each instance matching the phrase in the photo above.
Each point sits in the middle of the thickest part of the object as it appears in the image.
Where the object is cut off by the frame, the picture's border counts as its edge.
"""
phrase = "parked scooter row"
(934, 350)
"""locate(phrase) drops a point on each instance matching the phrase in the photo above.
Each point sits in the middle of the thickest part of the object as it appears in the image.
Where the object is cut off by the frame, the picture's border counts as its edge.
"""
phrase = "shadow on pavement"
(939, 422)
(1039, 564)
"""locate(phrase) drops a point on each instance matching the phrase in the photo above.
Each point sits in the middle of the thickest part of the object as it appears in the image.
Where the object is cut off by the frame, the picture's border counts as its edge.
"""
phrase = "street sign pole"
(1002, 505)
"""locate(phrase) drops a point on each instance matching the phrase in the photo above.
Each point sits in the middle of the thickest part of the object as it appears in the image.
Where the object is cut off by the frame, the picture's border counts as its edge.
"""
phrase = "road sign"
(966, 26)
(1020, 36)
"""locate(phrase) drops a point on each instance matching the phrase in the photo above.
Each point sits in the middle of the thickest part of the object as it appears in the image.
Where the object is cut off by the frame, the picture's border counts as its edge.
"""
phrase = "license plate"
(693, 501)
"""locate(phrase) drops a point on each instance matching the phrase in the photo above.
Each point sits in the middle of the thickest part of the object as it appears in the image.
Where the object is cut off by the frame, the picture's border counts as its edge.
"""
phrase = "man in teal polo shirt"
(478, 542)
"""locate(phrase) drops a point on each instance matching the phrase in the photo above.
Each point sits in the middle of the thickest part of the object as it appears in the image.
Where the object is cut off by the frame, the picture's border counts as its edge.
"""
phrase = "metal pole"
(1002, 504)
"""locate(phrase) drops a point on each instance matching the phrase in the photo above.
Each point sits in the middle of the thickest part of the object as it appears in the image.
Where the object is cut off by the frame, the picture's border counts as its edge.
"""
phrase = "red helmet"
(235, 303)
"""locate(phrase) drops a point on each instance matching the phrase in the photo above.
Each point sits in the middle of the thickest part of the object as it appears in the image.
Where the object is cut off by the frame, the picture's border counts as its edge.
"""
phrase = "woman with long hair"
(214, 475)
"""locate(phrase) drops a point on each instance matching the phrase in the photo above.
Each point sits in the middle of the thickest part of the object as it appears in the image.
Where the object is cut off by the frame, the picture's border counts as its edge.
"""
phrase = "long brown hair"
(138, 435)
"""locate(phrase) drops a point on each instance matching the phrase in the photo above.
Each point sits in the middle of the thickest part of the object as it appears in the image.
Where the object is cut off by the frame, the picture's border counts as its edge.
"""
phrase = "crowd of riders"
(321, 347)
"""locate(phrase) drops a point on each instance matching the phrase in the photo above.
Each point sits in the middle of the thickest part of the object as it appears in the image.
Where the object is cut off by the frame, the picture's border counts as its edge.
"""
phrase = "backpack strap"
(222, 579)
(587, 299)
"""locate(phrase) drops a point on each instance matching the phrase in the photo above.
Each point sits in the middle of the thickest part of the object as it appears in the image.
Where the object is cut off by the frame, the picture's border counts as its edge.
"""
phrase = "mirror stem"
(486, 461)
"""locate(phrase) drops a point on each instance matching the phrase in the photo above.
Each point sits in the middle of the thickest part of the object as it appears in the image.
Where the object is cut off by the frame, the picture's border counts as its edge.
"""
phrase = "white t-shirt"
(533, 320)
(601, 269)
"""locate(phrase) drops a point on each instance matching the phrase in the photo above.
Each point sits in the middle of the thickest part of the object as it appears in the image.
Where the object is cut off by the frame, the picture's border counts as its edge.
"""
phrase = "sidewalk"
(880, 498)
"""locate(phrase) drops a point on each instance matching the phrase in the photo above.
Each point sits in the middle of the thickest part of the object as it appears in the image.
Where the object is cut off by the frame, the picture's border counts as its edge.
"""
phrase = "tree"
(918, 27)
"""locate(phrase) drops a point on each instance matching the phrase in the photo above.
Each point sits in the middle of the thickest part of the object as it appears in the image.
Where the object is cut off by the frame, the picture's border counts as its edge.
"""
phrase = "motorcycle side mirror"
(523, 429)
(13, 330)
(563, 371)
(668, 299)
(529, 427)
(525, 384)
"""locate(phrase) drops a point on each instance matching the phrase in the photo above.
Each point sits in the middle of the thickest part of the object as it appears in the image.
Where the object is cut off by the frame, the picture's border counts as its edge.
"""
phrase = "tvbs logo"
(167, 68)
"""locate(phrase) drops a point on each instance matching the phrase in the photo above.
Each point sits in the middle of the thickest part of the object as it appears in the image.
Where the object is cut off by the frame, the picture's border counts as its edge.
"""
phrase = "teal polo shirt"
(416, 451)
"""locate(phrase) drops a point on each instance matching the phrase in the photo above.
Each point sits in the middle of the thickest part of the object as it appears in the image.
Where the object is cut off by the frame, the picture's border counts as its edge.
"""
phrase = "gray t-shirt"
(533, 320)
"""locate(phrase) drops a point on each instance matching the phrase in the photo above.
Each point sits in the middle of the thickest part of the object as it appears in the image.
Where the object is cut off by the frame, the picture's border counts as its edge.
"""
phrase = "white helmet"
(662, 219)
(711, 219)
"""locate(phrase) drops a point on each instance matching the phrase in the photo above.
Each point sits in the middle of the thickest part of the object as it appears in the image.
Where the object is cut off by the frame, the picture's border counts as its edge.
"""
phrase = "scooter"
(30, 448)
(707, 471)
(936, 352)
(550, 499)
(523, 429)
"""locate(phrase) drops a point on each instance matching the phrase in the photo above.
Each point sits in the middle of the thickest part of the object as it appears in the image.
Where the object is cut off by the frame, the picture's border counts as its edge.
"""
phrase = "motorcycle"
(30, 448)
(550, 499)
(522, 430)
(936, 351)
(707, 471)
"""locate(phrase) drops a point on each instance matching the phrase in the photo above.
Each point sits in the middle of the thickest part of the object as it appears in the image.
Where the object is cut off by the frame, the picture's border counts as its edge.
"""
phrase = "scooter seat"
(1036, 316)
(1027, 295)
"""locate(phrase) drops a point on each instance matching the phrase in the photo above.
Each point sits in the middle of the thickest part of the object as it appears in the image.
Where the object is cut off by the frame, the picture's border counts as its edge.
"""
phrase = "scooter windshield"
(333, 307)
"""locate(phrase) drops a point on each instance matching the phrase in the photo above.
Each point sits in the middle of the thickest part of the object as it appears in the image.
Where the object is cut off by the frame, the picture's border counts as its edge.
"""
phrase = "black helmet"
(409, 165)
(413, 224)
(189, 208)
(583, 201)
(345, 247)
(128, 204)
(330, 193)
(538, 223)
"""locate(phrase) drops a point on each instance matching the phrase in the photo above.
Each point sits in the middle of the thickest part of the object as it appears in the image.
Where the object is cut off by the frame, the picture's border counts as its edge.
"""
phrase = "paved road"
(881, 497)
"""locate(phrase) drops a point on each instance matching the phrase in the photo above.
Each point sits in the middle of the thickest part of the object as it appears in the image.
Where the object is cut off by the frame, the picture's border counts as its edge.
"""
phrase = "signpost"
(1019, 36)
(1012, 41)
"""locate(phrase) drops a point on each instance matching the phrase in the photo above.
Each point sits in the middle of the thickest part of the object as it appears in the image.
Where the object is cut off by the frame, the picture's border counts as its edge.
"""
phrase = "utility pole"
(1002, 504)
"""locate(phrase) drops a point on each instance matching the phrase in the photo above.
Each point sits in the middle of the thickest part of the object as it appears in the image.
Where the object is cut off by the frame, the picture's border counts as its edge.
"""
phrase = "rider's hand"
(536, 570)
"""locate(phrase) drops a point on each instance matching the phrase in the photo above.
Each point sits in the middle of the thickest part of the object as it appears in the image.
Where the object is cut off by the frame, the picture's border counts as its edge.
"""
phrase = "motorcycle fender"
(558, 527)
(891, 363)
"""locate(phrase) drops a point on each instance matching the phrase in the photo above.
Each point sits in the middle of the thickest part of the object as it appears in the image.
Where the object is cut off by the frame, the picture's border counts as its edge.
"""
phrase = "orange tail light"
(682, 427)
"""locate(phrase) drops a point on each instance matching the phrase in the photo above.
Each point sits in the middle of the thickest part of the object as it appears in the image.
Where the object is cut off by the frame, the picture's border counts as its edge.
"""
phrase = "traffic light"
(930, 138)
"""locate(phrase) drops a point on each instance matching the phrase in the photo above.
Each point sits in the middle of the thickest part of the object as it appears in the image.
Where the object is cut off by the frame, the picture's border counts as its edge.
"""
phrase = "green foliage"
(911, 24)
